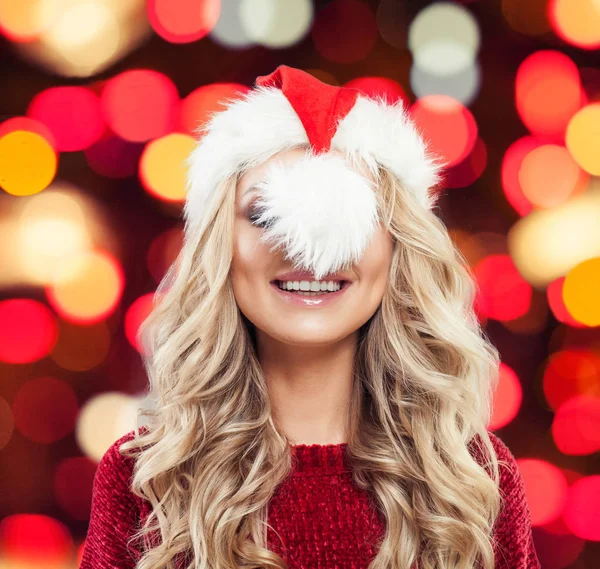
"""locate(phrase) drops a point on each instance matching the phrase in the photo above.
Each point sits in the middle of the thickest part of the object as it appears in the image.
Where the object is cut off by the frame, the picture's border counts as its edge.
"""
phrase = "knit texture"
(320, 519)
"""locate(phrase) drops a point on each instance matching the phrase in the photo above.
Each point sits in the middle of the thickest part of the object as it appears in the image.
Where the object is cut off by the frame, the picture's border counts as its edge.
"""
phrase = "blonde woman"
(321, 385)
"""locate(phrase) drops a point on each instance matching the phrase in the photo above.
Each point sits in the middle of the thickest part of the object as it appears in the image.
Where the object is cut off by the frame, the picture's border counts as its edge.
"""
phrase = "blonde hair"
(424, 376)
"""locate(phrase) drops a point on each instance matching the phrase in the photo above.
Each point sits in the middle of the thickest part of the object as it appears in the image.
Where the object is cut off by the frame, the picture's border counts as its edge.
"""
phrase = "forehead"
(255, 174)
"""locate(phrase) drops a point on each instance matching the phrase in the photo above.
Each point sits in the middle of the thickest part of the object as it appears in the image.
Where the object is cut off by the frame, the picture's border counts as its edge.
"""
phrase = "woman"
(321, 384)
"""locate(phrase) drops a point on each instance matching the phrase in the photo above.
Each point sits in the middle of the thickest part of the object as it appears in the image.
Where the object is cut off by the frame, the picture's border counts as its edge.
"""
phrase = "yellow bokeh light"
(24, 21)
(577, 21)
(86, 287)
(104, 419)
(27, 163)
(162, 166)
(583, 138)
(581, 292)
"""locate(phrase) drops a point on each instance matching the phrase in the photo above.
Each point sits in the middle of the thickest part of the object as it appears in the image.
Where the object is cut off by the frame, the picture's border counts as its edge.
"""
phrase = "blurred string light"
(548, 243)
(28, 331)
(28, 163)
(72, 114)
(345, 31)
(74, 38)
(45, 409)
(444, 40)
(86, 287)
(113, 156)
(28, 125)
(103, 419)
(27, 539)
(140, 104)
(577, 23)
(183, 21)
(162, 166)
(548, 93)
(581, 291)
(507, 398)
(275, 24)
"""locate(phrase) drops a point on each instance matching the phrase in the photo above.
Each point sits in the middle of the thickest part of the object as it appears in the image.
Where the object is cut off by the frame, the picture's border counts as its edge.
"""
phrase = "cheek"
(374, 266)
(251, 260)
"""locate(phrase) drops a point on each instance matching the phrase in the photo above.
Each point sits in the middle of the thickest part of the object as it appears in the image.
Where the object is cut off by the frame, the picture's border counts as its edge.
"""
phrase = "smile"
(311, 298)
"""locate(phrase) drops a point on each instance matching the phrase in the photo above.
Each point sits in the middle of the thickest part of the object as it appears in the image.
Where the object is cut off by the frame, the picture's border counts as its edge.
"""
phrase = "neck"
(310, 387)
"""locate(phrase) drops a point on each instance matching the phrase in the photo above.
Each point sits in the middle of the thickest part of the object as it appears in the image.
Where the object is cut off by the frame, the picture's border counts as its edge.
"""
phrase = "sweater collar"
(320, 459)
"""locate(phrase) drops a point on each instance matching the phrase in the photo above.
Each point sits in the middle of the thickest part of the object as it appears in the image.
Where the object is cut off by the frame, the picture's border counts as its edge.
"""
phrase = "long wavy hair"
(211, 456)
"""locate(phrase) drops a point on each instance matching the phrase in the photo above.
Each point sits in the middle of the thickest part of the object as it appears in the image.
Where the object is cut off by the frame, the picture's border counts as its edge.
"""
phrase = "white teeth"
(312, 286)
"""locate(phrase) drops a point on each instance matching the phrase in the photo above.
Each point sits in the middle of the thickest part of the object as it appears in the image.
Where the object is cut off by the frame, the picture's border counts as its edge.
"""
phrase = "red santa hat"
(320, 210)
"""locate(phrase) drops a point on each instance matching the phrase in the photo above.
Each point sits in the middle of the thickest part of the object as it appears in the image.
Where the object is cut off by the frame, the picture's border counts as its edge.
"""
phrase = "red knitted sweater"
(323, 519)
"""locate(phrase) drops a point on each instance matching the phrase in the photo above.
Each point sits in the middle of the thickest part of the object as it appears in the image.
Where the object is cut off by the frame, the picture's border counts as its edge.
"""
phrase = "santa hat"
(320, 210)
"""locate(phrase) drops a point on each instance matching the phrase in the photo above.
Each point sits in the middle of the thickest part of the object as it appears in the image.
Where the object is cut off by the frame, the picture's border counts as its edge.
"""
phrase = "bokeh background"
(99, 100)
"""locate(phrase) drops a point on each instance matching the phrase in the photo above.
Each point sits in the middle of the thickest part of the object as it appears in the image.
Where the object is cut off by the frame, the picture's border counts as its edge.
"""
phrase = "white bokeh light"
(444, 39)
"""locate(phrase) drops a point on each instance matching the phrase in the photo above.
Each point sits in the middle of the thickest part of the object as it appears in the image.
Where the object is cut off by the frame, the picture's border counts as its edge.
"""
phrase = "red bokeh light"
(73, 482)
(30, 125)
(582, 507)
(448, 125)
(548, 93)
(163, 252)
(28, 331)
(34, 538)
(511, 164)
(45, 409)
(114, 157)
(468, 170)
(71, 113)
(507, 398)
(503, 294)
(183, 21)
(135, 315)
(570, 373)
(546, 489)
(576, 426)
(374, 87)
(196, 108)
(140, 104)
(344, 31)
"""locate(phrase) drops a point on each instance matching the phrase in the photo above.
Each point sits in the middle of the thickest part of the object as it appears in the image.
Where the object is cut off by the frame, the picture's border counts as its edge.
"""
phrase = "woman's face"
(307, 320)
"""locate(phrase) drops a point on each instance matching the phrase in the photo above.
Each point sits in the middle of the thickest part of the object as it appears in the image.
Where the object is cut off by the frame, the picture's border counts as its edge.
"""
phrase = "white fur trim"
(320, 212)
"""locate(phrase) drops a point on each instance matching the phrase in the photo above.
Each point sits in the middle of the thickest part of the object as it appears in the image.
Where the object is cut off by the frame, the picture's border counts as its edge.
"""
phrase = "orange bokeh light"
(576, 22)
(197, 107)
(549, 176)
(86, 287)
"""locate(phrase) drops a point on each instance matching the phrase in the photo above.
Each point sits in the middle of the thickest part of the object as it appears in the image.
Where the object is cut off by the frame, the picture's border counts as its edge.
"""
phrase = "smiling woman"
(297, 427)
